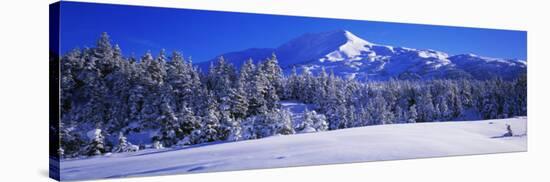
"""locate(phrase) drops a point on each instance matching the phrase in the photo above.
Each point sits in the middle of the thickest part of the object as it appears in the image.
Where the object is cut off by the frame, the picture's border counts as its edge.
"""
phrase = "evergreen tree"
(211, 125)
(259, 90)
(124, 145)
(313, 122)
(238, 102)
(188, 122)
(425, 107)
(413, 114)
(236, 131)
(169, 123)
(292, 88)
(180, 78)
(319, 122)
(97, 143)
(307, 123)
(277, 122)
(380, 113)
(246, 76)
(274, 74)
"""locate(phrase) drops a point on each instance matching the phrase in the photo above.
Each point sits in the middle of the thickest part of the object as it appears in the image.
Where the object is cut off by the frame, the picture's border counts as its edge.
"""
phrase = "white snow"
(353, 47)
(432, 54)
(93, 133)
(308, 129)
(336, 49)
(371, 143)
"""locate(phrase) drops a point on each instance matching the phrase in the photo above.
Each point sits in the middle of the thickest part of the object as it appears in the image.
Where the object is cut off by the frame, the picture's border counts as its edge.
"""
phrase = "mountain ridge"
(352, 57)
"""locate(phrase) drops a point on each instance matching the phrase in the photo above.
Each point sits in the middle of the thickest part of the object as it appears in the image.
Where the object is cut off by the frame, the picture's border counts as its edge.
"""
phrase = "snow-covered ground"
(371, 143)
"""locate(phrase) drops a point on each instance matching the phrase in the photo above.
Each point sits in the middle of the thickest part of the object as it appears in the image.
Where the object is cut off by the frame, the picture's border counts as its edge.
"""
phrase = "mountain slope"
(371, 143)
(350, 56)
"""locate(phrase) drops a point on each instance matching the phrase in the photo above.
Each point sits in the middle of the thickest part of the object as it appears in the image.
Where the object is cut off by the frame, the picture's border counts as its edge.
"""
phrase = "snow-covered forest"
(109, 101)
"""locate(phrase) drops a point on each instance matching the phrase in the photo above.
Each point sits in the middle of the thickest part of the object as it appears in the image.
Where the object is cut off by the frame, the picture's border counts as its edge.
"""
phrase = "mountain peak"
(335, 45)
(353, 38)
(342, 35)
(352, 57)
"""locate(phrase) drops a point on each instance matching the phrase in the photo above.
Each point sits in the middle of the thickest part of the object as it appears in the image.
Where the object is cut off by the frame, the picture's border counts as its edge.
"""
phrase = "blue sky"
(206, 34)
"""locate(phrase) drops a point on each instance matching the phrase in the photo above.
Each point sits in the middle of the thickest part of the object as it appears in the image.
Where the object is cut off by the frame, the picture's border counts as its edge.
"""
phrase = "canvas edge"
(54, 162)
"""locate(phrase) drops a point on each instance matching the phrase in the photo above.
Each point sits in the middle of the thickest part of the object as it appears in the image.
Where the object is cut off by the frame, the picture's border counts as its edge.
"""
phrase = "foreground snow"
(371, 143)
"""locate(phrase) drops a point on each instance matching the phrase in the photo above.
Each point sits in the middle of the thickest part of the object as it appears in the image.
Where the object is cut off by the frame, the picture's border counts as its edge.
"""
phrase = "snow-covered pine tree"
(364, 117)
(246, 75)
(456, 106)
(380, 113)
(259, 90)
(400, 115)
(188, 122)
(334, 106)
(272, 98)
(70, 141)
(221, 78)
(211, 121)
(97, 143)
(71, 64)
(520, 87)
(153, 69)
(292, 87)
(313, 122)
(307, 123)
(236, 132)
(248, 130)
(273, 74)
(412, 115)
(238, 102)
(135, 102)
(342, 116)
(425, 106)
(93, 110)
(230, 128)
(284, 126)
(179, 77)
(211, 127)
(276, 122)
(306, 86)
(320, 85)
(169, 123)
(124, 145)
(199, 93)
(118, 85)
(351, 117)
(151, 107)
(104, 53)
(319, 122)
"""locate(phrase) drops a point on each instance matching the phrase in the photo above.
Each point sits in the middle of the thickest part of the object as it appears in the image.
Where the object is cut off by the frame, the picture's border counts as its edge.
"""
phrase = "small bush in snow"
(313, 122)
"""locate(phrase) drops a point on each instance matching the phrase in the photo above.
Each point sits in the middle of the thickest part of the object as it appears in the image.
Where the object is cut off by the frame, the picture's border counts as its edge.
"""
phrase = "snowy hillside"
(371, 143)
(352, 57)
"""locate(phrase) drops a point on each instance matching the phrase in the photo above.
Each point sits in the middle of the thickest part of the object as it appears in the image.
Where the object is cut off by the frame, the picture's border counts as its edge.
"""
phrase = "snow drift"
(371, 143)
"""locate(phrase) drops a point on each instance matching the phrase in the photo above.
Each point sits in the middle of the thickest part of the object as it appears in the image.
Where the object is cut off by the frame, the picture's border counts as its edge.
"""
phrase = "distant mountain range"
(354, 58)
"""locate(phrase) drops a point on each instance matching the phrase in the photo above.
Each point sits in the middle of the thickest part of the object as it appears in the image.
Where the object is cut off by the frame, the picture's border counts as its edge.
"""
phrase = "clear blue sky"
(206, 34)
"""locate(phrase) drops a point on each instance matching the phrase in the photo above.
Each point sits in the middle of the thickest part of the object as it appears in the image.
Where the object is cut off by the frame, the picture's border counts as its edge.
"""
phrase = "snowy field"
(371, 143)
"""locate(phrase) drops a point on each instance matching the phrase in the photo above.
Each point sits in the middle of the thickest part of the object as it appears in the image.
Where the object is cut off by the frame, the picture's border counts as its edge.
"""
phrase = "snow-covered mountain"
(352, 57)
